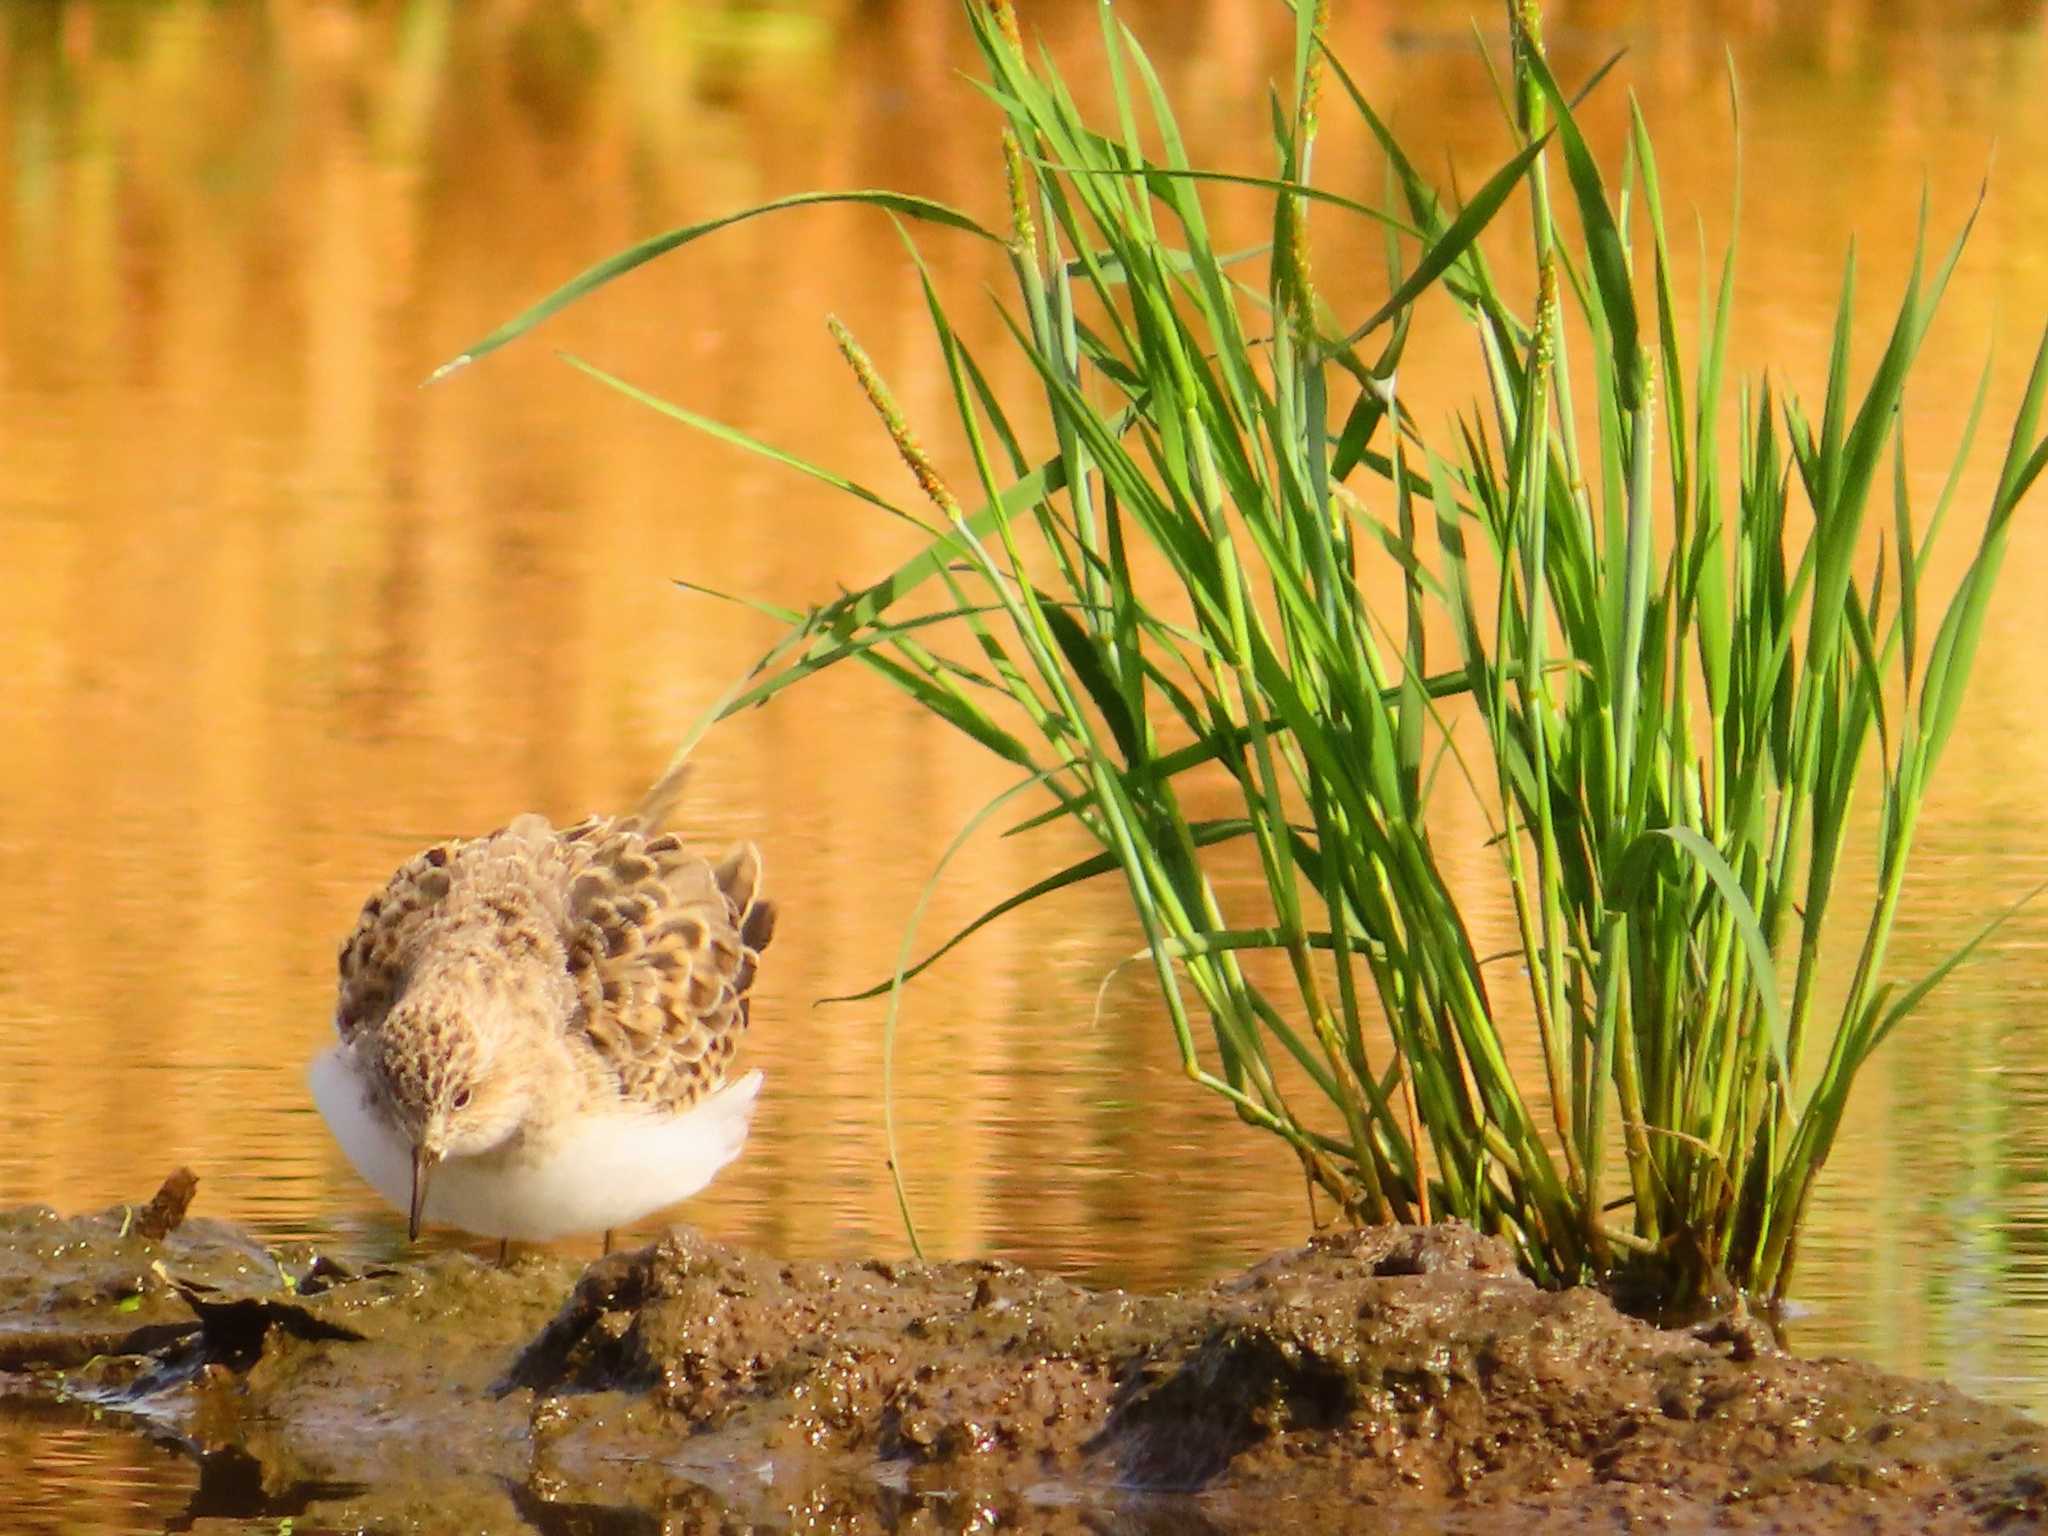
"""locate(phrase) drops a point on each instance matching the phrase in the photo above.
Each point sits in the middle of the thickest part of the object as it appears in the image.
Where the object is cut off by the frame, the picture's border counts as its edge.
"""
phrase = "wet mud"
(1392, 1380)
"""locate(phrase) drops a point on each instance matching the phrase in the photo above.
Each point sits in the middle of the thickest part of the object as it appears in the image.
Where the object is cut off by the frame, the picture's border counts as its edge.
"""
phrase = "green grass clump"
(1666, 683)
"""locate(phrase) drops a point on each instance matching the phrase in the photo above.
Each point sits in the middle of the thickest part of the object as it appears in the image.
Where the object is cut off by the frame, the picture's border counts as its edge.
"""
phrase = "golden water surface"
(274, 614)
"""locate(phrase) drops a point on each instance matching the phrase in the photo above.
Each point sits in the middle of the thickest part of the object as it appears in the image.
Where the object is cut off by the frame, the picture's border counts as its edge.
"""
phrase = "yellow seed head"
(920, 465)
(1312, 85)
(1300, 291)
(1022, 232)
(1546, 313)
(1006, 19)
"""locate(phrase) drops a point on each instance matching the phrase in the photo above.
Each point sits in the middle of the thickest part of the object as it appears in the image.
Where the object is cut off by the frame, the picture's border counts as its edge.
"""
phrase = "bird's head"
(446, 1081)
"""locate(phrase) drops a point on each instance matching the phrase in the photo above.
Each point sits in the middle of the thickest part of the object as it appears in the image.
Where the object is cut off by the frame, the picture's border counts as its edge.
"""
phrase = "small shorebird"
(535, 1025)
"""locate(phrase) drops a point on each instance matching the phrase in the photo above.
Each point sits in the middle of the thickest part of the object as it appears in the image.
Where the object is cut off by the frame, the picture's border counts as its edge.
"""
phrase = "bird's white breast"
(592, 1173)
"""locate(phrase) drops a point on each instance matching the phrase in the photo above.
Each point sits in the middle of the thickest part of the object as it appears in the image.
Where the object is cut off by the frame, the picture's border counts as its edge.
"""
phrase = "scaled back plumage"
(640, 952)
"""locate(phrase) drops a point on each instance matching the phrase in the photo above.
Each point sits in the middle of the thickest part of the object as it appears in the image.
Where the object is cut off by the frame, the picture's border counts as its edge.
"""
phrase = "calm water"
(274, 615)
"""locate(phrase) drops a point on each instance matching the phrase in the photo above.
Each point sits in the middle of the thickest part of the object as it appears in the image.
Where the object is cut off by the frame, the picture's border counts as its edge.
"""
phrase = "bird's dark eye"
(461, 1099)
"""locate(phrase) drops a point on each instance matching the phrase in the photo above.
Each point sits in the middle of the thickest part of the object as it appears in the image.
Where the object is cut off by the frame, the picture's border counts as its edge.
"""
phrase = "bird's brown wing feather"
(662, 948)
(659, 944)
(380, 950)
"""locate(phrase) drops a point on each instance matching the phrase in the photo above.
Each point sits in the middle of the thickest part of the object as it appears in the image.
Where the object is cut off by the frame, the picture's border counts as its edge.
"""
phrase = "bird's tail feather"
(659, 803)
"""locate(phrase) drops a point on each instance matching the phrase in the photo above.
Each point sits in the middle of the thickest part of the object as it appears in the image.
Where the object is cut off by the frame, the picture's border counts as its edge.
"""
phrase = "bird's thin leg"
(607, 1241)
(504, 1252)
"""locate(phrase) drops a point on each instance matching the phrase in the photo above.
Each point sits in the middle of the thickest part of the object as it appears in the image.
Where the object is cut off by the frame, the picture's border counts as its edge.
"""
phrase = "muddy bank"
(1392, 1380)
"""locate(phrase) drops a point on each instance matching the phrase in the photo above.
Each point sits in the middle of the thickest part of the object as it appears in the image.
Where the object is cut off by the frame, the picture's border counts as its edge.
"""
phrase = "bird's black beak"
(422, 1165)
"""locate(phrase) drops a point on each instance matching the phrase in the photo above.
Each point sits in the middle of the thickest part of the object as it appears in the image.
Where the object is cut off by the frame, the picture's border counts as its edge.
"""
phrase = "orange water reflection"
(274, 615)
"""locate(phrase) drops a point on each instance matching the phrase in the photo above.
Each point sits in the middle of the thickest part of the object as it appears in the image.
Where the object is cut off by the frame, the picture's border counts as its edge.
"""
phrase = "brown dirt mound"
(1391, 1380)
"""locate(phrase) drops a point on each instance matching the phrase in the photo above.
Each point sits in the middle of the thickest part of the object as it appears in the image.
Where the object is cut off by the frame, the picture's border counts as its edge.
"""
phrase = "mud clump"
(1390, 1380)
(1406, 1371)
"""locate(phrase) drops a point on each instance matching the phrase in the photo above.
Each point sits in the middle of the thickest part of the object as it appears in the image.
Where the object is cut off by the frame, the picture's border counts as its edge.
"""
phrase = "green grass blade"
(1605, 247)
(1728, 885)
(595, 277)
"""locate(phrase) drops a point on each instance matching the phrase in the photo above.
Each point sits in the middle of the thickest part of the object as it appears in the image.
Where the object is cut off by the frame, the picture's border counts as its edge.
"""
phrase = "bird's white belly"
(593, 1173)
